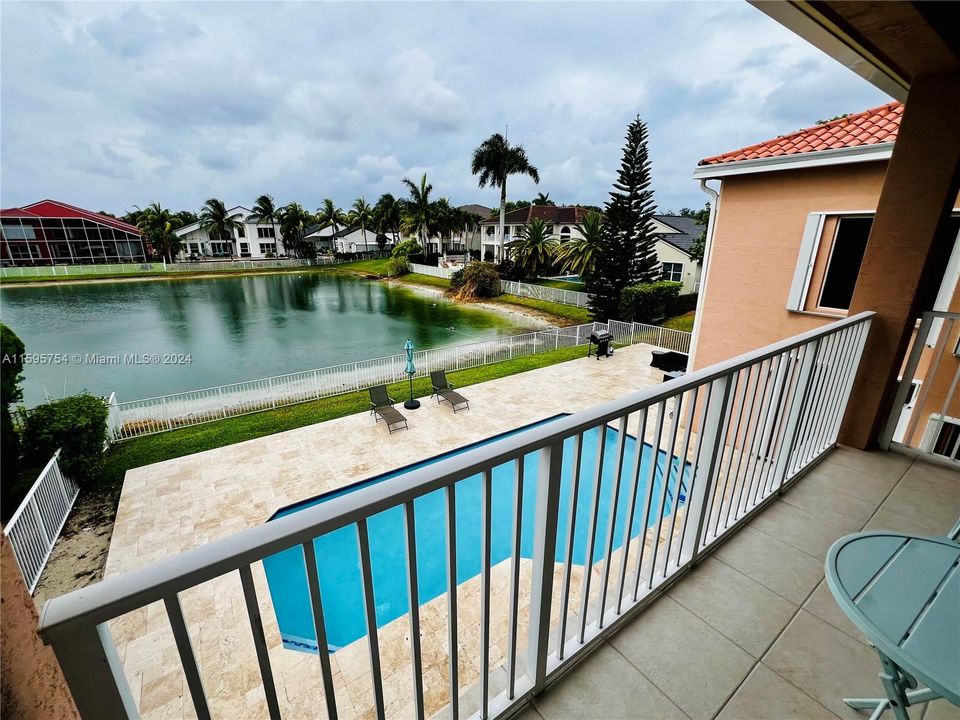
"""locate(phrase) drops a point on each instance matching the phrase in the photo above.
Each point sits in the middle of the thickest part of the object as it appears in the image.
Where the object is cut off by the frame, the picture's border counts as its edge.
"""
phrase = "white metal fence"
(538, 292)
(37, 523)
(926, 409)
(154, 267)
(431, 270)
(169, 412)
(731, 437)
(542, 292)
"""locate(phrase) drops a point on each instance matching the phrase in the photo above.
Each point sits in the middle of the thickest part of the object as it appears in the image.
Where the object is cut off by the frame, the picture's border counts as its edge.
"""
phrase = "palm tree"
(361, 214)
(218, 222)
(417, 216)
(294, 220)
(534, 248)
(159, 225)
(264, 210)
(330, 216)
(579, 255)
(542, 199)
(496, 160)
(444, 220)
(389, 215)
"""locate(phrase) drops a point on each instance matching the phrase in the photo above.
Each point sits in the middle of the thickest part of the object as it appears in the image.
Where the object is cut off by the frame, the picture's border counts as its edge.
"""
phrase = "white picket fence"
(538, 292)
(37, 523)
(148, 267)
(169, 412)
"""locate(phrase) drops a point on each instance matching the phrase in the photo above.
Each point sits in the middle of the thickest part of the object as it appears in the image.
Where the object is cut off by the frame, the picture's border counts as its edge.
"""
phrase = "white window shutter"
(808, 253)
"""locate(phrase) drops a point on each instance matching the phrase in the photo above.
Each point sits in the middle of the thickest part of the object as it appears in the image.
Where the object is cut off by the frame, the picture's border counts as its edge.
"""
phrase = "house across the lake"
(50, 232)
(252, 238)
(789, 233)
(344, 240)
(561, 221)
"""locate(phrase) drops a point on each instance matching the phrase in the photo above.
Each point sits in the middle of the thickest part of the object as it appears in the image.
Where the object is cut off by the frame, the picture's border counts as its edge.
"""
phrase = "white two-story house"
(561, 222)
(251, 239)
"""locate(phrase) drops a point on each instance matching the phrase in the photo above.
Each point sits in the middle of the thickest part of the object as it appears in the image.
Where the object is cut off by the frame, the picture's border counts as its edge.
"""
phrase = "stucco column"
(908, 247)
(33, 687)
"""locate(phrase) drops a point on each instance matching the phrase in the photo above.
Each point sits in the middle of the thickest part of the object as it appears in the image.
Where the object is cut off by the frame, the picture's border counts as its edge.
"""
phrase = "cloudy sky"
(108, 105)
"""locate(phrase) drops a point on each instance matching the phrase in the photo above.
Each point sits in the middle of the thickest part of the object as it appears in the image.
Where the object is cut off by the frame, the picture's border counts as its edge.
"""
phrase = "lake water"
(232, 329)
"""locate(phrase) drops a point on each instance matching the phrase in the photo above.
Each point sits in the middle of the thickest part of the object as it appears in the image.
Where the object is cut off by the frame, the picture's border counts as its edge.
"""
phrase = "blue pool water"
(338, 563)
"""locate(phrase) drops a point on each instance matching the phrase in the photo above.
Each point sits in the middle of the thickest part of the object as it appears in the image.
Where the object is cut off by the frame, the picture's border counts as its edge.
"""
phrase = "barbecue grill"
(603, 342)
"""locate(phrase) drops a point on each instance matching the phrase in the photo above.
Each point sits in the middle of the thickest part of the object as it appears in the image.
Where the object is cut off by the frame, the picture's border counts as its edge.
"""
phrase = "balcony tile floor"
(753, 632)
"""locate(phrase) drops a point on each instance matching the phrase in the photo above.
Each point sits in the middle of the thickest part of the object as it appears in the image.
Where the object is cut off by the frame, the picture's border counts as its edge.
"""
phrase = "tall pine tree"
(627, 254)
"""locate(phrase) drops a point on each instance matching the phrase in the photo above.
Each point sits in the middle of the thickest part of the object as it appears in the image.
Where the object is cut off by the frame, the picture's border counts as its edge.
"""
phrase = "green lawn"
(561, 285)
(377, 266)
(164, 446)
(680, 322)
(564, 314)
(166, 275)
(417, 278)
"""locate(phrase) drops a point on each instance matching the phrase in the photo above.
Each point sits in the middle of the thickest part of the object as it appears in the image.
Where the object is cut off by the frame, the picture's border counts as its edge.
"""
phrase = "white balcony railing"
(926, 409)
(744, 429)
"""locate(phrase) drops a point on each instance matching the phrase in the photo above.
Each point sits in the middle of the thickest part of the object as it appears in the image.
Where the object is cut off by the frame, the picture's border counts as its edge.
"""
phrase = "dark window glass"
(848, 248)
(947, 438)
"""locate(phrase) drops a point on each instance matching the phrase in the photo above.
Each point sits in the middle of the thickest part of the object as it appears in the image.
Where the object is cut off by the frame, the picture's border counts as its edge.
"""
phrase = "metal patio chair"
(443, 390)
(381, 407)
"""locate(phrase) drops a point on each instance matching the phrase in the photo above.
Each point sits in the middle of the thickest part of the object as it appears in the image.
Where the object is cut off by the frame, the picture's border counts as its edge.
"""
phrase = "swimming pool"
(338, 563)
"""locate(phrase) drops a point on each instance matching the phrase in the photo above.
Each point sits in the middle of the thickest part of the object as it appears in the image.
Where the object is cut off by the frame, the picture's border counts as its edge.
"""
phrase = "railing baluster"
(739, 393)
(631, 508)
(485, 520)
(370, 612)
(859, 334)
(319, 626)
(187, 659)
(831, 386)
(451, 498)
(413, 595)
(549, 462)
(739, 482)
(681, 468)
(651, 481)
(713, 428)
(568, 555)
(798, 400)
(592, 530)
(749, 471)
(665, 490)
(259, 642)
(515, 577)
(611, 521)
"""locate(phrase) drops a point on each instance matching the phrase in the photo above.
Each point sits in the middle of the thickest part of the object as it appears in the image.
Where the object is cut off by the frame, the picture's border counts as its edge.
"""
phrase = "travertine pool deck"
(173, 506)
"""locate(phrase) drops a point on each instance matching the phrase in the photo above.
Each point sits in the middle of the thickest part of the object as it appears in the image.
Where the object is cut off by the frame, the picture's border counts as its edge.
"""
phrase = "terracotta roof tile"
(877, 125)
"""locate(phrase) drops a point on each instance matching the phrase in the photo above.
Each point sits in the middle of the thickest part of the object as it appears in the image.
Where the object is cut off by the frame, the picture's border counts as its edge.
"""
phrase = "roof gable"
(559, 214)
(870, 127)
(56, 209)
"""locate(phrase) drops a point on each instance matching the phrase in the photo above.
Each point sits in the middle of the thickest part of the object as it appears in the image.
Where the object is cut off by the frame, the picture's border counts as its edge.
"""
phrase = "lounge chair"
(381, 407)
(443, 390)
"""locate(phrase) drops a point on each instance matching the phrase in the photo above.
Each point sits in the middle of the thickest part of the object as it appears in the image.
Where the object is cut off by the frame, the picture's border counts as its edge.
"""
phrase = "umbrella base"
(411, 404)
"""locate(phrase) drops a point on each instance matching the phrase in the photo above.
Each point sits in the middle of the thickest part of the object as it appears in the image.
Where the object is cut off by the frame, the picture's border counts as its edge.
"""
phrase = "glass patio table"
(903, 592)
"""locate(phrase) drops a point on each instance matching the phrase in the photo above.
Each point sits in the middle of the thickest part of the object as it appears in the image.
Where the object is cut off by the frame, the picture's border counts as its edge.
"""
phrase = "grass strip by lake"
(171, 275)
(150, 449)
(561, 284)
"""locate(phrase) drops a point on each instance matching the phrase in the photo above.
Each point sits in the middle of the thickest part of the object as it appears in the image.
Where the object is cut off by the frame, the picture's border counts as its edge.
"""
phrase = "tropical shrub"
(682, 304)
(76, 424)
(397, 266)
(475, 281)
(11, 366)
(648, 302)
(534, 249)
(406, 248)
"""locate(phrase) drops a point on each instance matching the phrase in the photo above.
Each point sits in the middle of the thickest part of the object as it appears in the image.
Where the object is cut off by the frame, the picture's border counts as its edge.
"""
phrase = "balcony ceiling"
(888, 43)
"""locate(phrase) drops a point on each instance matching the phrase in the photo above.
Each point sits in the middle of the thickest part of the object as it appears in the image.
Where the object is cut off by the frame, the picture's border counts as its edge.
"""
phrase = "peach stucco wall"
(754, 251)
(33, 687)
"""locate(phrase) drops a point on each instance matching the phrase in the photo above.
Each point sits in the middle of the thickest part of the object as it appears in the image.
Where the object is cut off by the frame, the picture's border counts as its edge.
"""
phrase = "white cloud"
(108, 105)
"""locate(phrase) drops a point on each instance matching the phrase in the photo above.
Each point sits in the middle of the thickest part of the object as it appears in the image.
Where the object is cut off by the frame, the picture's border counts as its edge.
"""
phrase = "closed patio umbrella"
(410, 370)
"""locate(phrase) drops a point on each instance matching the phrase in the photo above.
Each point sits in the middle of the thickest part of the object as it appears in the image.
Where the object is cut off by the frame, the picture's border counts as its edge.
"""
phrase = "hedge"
(78, 426)
(649, 302)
